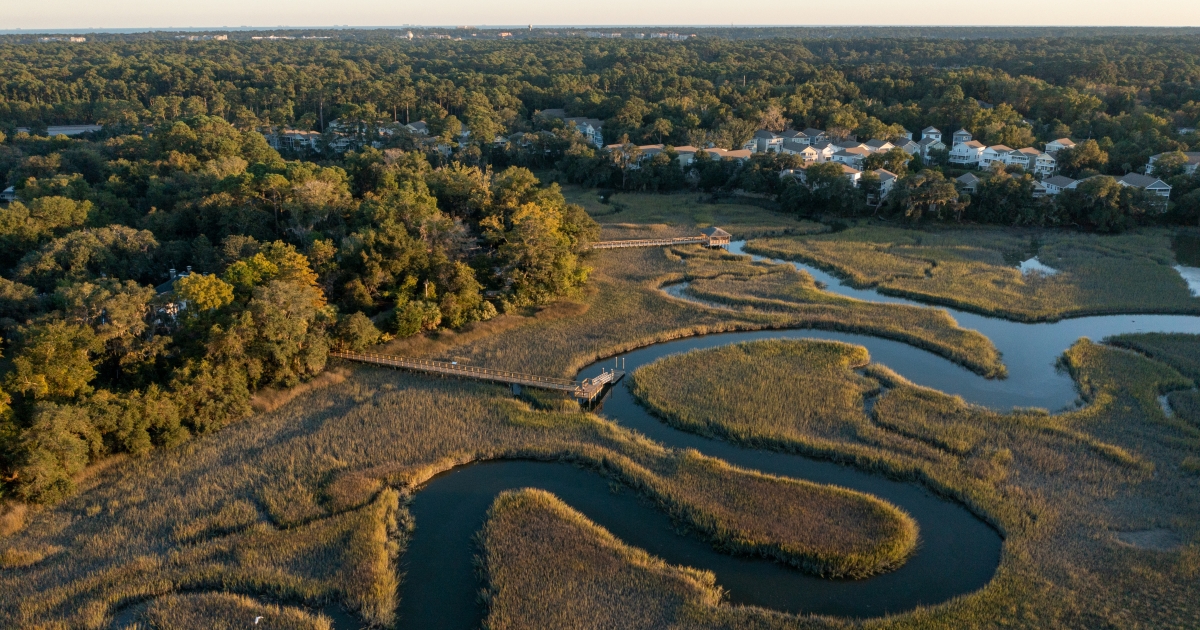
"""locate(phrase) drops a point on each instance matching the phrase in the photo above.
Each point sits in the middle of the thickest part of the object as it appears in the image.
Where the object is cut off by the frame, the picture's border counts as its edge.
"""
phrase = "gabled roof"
(715, 232)
(931, 129)
(813, 133)
(791, 133)
(884, 174)
(1066, 142)
(876, 144)
(687, 148)
(1061, 181)
(968, 179)
(846, 169)
(928, 141)
(765, 133)
(852, 152)
(970, 144)
(960, 131)
(1029, 151)
(1000, 148)
(1138, 180)
(1193, 157)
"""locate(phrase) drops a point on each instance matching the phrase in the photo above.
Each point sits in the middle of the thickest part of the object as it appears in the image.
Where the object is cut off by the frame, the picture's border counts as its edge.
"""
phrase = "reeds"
(974, 269)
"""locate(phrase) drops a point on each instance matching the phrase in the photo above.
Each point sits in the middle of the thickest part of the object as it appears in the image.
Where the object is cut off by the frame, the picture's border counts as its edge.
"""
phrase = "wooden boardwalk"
(650, 242)
(586, 390)
(708, 237)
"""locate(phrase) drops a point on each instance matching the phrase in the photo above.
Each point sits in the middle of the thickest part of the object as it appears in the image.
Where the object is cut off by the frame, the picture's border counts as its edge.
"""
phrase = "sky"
(114, 14)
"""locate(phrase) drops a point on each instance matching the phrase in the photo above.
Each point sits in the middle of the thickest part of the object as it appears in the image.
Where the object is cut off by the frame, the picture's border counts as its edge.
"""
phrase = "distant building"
(967, 153)
(931, 132)
(9, 195)
(591, 128)
(765, 141)
(1055, 146)
(1147, 183)
(1058, 183)
(716, 237)
(1193, 160)
(960, 136)
(968, 183)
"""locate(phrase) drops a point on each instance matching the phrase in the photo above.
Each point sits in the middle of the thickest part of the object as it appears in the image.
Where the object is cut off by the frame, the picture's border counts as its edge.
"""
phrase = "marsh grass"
(641, 215)
(974, 269)
(1056, 486)
(534, 543)
(223, 611)
(289, 506)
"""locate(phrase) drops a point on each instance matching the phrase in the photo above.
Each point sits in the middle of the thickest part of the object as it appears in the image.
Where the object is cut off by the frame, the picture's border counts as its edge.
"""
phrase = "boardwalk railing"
(586, 389)
(651, 242)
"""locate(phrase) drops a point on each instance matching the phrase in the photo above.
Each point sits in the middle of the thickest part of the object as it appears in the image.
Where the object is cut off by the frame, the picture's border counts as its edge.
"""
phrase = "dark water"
(958, 552)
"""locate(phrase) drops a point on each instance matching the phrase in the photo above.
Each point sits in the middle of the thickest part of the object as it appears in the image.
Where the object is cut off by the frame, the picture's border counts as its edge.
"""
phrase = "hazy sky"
(75, 14)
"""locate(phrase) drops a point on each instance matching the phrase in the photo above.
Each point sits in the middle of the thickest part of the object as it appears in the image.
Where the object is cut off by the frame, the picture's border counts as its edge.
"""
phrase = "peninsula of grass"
(224, 611)
(975, 269)
(586, 578)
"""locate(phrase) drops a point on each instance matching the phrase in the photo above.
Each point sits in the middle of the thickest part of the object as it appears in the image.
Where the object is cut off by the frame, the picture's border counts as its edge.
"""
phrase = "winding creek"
(958, 552)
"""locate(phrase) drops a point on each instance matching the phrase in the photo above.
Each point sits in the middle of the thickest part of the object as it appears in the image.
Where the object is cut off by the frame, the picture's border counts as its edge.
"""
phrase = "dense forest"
(293, 253)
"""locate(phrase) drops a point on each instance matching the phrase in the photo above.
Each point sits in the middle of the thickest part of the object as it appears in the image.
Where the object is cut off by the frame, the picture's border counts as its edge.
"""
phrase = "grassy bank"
(975, 269)
(640, 215)
(535, 543)
(1067, 490)
(224, 611)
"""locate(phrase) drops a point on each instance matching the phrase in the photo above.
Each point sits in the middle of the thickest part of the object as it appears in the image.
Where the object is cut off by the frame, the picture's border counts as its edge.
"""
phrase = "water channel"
(958, 552)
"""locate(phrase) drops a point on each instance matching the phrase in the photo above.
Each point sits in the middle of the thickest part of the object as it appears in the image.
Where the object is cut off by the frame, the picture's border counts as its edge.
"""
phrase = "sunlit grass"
(974, 269)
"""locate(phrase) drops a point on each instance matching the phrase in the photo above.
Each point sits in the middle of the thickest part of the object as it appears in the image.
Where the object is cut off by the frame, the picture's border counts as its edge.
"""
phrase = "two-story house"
(1193, 160)
(930, 144)
(995, 153)
(931, 132)
(766, 141)
(852, 156)
(959, 137)
(966, 153)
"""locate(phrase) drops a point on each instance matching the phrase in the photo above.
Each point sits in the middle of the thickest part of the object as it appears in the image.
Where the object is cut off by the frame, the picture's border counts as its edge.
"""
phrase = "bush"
(415, 316)
(356, 332)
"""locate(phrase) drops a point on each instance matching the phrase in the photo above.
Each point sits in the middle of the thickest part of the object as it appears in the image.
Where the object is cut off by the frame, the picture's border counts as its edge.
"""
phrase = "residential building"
(9, 195)
(910, 147)
(887, 181)
(928, 145)
(1055, 146)
(1148, 183)
(960, 136)
(1058, 183)
(825, 150)
(814, 135)
(591, 128)
(1040, 189)
(1193, 160)
(995, 153)
(741, 155)
(968, 183)
(686, 153)
(1043, 164)
(931, 132)
(419, 128)
(906, 134)
(805, 151)
(766, 141)
(852, 174)
(852, 156)
(875, 146)
(967, 153)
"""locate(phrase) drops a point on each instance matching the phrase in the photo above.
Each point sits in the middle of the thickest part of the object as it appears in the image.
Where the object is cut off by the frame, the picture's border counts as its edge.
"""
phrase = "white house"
(1145, 182)
(995, 153)
(805, 151)
(852, 156)
(1055, 146)
(825, 150)
(887, 180)
(1058, 183)
(591, 128)
(9, 195)
(966, 153)
(852, 174)
(1193, 160)
(906, 134)
(931, 132)
(1043, 164)
(419, 128)
(960, 136)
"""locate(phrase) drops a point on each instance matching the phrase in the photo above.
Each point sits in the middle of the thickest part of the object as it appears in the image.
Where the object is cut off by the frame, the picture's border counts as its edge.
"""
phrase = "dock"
(708, 237)
(585, 391)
